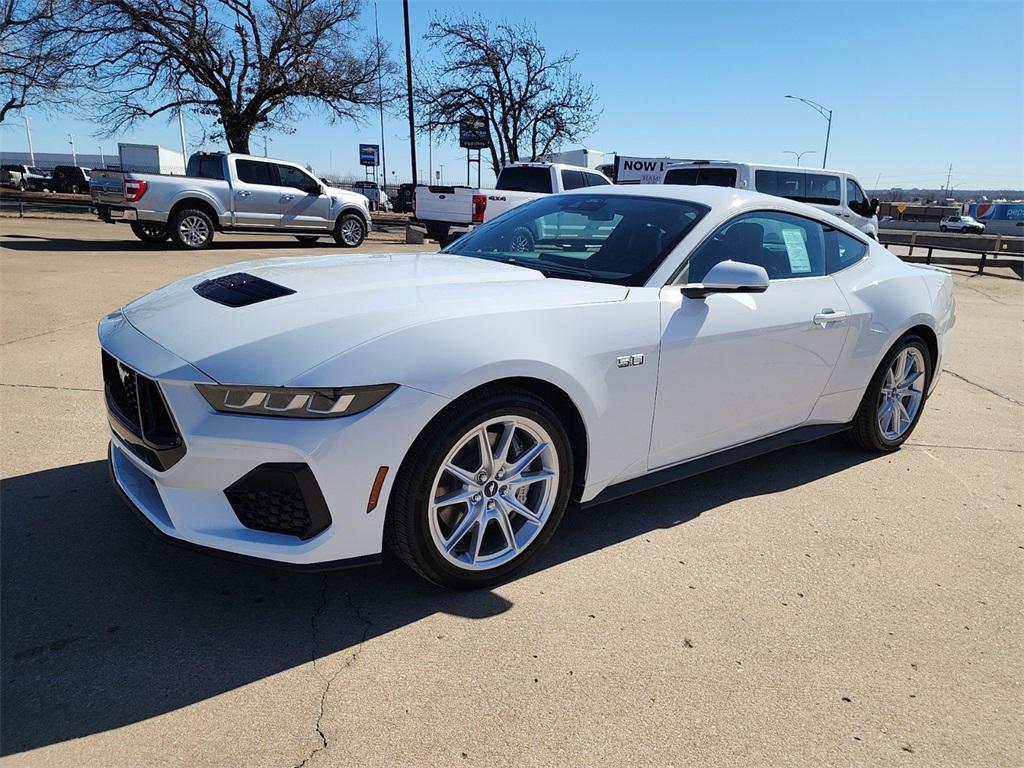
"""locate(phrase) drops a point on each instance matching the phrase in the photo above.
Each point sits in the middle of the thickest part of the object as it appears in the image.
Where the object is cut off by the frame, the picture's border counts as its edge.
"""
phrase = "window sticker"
(796, 249)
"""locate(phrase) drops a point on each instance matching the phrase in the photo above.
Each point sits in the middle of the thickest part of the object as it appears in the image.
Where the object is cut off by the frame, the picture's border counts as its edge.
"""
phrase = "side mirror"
(875, 205)
(318, 191)
(729, 277)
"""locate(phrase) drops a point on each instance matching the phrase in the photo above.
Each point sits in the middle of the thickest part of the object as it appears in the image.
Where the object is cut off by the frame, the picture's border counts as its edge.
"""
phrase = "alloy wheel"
(193, 230)
(902, 393)
(494, 493)
(351, 232)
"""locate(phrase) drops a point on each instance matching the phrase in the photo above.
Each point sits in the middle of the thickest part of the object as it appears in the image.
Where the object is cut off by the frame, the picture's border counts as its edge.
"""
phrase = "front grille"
(139, 414)
(280, 498)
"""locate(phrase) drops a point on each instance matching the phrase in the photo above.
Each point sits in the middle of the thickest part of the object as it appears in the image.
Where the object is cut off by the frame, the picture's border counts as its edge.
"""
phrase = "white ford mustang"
(581, 347)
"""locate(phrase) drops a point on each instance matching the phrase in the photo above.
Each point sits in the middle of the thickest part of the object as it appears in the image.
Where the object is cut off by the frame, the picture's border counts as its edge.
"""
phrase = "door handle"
(827, 316)
(242, 193)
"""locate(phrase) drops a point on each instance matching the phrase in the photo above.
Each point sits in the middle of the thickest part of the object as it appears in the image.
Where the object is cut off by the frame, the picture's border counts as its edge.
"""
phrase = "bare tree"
(250, 64)
(533, 102)
(37, 55)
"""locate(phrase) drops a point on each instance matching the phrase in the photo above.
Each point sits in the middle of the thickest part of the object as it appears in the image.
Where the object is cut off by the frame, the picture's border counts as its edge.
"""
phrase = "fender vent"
(240, 290)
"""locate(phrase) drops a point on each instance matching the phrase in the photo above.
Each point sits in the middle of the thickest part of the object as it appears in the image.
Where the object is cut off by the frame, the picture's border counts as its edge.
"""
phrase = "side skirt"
(713, 461)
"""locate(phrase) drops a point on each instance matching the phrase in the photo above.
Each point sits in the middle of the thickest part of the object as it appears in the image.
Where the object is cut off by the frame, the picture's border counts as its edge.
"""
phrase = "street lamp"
(799, 154)
(71, 141)
(824, 112)
(28, 133)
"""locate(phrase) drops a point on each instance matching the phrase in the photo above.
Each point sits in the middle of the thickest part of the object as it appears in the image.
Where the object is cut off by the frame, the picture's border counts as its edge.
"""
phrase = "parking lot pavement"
(819, 606)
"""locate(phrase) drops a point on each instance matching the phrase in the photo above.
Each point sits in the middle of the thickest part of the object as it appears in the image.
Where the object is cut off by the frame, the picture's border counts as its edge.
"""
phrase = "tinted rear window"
(819, 188)
(254, 172)
(205, 167)
(711, 177)
(525, 180)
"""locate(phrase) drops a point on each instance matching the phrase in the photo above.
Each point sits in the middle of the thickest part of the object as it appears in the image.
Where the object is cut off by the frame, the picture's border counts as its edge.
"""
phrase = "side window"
(593, 180)
(686, 177)
(293, 177)
(573, 180)
(855, 199)
(255, 172)
(822, 189)
(843, 250)
(211, 168)
(780, 183)
(786, 246)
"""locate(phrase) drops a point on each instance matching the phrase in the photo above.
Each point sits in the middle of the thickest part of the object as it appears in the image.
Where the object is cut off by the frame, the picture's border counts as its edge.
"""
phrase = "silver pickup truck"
(222, 192)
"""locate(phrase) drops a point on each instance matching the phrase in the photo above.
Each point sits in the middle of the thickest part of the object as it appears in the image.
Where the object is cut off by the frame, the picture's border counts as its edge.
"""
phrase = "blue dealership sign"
(369, 154)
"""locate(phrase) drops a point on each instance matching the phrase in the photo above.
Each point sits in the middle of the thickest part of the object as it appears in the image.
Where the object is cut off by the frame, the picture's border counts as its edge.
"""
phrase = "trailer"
(150, 158)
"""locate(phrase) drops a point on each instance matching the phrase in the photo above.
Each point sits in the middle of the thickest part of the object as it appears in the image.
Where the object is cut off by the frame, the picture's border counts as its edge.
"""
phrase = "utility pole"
(264, 145)
(181, 131)
(28, 132)
(408, 79)
(380, 102)
(74, 157)
(949, 177)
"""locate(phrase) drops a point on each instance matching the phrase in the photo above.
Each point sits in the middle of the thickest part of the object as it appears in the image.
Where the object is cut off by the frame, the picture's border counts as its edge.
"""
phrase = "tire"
(307, 239)
(350, 230)
(192, 228)
(874, 428)
(149, 232)
(522, 240)
(943, 228)
(74, 189)
(438, 232)
(427, 538)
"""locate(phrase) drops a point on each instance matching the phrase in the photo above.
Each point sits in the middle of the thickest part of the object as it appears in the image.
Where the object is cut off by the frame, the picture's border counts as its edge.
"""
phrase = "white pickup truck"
(440, 209)
(230, 193)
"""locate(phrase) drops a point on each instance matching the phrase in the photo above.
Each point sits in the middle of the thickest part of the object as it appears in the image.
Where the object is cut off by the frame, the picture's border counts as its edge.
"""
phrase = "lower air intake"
(280, 498)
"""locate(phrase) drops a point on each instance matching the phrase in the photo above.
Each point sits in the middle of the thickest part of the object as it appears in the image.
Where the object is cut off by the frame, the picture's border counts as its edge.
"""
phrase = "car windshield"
(967, 218)
(607, 238)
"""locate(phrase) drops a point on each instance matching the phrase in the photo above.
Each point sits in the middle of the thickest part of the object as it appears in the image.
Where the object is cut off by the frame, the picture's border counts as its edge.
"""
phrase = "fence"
(992, 251)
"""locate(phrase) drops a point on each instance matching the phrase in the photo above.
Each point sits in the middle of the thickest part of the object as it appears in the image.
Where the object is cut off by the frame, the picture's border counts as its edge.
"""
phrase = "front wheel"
(192, 228)
(943, 228)
(149, 232)
(350, 231)
(894, 400)
(482, 490)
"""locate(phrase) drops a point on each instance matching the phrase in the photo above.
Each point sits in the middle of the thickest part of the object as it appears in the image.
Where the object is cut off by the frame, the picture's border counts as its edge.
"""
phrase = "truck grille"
(139, 415)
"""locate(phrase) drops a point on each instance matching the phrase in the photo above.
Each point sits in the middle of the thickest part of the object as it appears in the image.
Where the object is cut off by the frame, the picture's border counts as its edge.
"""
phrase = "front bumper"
(189, 501)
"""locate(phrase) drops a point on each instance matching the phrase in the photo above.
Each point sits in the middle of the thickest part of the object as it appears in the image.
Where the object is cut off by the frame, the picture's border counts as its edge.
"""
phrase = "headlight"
(294, 402)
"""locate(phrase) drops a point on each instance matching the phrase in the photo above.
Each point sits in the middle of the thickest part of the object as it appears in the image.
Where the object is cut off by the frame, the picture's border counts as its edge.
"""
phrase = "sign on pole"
(369, 154)
(901, 207)
(474, 133)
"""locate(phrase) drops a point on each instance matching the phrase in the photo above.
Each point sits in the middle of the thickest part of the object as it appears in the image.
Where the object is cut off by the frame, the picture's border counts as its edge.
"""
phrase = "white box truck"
(150, 158)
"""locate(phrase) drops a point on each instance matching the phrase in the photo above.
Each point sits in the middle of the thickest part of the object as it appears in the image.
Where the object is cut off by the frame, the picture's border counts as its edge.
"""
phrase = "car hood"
(339, 302)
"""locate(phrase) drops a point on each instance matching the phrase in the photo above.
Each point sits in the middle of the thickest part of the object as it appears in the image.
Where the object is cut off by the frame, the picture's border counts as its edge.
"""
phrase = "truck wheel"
(522, 240)
(307, 239)
(350, 231)
(192, 228)
(438, 232)
(942, 228)
(149, 232)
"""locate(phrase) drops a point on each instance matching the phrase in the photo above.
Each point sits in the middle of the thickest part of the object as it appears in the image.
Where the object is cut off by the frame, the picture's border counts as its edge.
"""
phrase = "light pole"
(28, 133)
(71, 141)
(380, 99)
(824, 112)
(799, 154)
(408, 82)
(265, 145)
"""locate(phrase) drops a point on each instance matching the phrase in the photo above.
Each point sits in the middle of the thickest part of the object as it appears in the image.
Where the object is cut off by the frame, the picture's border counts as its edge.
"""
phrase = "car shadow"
(103, 625)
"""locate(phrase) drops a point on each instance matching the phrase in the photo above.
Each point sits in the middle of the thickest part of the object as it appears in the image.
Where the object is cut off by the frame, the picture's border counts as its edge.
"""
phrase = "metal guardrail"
(993, 251)
(31, 204)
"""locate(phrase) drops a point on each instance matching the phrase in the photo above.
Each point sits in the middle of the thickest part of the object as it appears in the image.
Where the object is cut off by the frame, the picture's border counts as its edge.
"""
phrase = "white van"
(837, 192)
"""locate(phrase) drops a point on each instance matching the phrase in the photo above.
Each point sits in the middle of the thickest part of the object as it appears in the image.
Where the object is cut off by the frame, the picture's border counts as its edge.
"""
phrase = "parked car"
(961, 224)
(405, 201)
(71, 180)
(451, 405)
(836, 192)
(379, 200)
(223, 192)
(24, 177)
(440, 208)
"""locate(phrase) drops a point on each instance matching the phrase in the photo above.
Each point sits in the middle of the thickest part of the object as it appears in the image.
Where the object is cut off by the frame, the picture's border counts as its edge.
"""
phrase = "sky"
(915, 87)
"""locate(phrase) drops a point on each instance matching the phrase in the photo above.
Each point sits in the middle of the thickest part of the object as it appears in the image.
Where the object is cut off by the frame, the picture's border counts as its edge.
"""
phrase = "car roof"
(719, 199)
(754, 166)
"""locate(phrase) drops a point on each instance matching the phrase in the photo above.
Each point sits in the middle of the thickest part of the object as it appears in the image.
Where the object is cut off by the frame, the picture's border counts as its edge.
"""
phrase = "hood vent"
(240, 289)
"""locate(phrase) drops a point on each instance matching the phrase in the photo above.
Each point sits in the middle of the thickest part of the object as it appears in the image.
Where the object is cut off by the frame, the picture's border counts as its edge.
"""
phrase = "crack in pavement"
(314, 656)
(47, 333)
(965, 447)
(991, 391)
(48, 386)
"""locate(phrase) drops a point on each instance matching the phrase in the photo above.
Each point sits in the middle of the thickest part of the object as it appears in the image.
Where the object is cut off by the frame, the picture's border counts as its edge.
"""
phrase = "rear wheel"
(149, 232)
(942, 228)
(350, 230)
(482, 490)
(895, 398)
(307, 239)
(192, 228)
